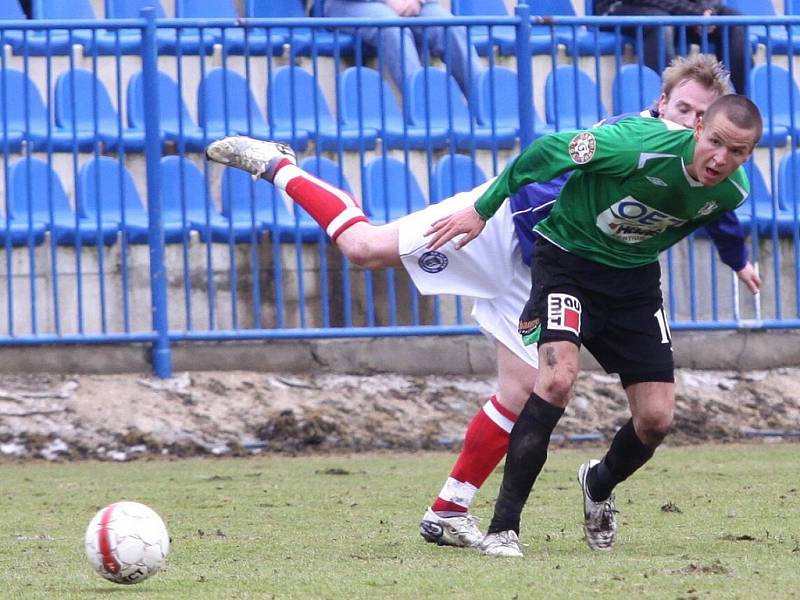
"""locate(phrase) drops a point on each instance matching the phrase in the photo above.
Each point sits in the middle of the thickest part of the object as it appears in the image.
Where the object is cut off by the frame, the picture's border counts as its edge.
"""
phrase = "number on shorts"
(663, 326)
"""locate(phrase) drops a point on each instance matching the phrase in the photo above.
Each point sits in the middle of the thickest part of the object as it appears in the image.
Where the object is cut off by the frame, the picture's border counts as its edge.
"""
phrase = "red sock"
(334, 209)
(485, 444)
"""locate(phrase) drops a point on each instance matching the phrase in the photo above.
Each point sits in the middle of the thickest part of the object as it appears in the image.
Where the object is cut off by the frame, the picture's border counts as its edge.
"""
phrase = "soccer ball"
(126, 542)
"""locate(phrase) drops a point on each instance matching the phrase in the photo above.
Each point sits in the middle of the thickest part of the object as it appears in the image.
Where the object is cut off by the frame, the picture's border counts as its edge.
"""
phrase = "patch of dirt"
(121, 417)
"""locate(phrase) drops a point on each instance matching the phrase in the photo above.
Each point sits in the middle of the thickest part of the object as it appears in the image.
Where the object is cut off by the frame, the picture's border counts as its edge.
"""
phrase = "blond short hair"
(705, 69)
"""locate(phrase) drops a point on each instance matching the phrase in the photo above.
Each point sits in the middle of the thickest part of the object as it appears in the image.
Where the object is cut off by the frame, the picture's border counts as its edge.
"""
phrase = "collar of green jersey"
(687, 154)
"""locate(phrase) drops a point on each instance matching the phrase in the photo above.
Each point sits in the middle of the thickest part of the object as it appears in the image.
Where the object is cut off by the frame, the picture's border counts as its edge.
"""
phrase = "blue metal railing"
(217, 264)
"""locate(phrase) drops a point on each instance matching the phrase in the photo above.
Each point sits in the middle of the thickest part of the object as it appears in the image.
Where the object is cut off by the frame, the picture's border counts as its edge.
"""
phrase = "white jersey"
(489, 269)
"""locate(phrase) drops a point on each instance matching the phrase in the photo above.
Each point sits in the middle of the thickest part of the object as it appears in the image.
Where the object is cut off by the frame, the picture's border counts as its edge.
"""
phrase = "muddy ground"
(124, 417)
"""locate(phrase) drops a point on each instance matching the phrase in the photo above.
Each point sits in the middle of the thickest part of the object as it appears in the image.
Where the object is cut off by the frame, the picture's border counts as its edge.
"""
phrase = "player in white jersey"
(492, 269)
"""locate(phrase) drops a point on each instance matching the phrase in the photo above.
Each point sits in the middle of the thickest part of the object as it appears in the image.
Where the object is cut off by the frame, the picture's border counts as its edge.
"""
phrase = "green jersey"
(629, 196)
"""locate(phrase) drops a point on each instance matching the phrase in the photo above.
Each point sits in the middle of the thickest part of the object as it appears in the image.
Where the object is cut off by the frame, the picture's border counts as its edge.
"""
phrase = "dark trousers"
(660, 44)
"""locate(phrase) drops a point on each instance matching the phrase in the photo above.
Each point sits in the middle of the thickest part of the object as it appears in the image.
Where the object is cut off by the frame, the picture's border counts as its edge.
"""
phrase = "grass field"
(698, 522)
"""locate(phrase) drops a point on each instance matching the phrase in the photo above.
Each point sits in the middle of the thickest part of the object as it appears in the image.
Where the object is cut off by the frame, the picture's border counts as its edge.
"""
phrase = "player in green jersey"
(637, 187)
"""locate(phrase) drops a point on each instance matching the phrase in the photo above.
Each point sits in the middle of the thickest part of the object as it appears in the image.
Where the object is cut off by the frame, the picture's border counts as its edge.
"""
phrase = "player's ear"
(698, 127)
(661, 104)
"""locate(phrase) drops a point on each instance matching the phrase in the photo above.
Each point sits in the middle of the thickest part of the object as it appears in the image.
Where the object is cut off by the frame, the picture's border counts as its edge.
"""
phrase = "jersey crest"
(582, 147)
(707, 209)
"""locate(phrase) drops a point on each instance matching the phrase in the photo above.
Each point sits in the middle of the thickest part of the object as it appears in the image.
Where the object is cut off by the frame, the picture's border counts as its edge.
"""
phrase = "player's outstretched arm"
(465, 221)
(749, 276)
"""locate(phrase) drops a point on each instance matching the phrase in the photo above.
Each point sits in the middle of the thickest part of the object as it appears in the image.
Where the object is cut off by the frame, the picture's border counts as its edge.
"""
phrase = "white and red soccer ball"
(126, 542)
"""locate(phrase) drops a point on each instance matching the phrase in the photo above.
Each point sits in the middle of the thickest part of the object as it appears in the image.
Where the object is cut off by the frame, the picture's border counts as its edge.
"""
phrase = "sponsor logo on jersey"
(564, 313)
(582, 147)
(707, 209)
(656, 181)
(432, 262)
(632, 221)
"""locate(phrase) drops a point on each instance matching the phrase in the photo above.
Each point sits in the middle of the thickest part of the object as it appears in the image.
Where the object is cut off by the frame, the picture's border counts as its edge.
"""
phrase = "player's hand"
(405, 8)
(749, 276)
(709, 28)
(465, 221)
(414, 8)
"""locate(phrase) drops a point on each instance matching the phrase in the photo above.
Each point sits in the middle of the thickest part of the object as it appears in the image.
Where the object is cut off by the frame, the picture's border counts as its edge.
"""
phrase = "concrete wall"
(465, 355)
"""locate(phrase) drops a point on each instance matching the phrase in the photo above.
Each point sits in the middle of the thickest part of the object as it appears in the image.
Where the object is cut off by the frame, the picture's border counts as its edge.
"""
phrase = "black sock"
(626, 455)
(527, 451)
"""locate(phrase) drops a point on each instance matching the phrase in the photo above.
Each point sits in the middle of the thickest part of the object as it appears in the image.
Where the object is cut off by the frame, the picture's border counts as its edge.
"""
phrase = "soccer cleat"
(502, 543)
(254, 156)
(599, 518)
(450, 531)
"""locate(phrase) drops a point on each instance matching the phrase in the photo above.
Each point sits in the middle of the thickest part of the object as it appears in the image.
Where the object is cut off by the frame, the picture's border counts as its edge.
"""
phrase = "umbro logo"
(656, 181)
(707, 209)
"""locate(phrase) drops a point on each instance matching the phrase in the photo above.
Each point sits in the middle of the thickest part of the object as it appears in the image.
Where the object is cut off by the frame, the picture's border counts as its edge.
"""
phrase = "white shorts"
(489, 269)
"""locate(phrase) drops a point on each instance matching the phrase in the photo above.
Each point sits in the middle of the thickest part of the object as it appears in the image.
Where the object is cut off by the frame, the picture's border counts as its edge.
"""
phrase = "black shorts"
(618, 314)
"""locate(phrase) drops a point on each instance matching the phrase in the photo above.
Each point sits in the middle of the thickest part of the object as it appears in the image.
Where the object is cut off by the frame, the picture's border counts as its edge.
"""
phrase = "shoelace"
(607, 516)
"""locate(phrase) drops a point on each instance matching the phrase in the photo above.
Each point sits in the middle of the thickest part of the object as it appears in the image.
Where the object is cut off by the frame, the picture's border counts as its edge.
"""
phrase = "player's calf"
(334, 209)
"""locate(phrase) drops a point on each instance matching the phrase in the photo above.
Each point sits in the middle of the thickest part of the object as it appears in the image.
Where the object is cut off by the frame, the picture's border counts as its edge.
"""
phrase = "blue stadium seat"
(35, 125)
(257, 202)
(327, 170)
(12, 127)
(94, 41)
(166, 39)
(84, 107)
(757, 209)
(390, 190)
(497, 94)
(775, 37)
(778, 98)
(233, 39)
(362, 92)
(296, 102)
(35, 192)
(186, 201)
(301, 40)
(56, 41)
(106, 189)
(175, 121)
(788, 204)
(455, 173)
(226, 104)
(503, 37)
(579, 103)
(635, 88)
(429, 89)
(578, 39)
(20, 232)
(10, 10)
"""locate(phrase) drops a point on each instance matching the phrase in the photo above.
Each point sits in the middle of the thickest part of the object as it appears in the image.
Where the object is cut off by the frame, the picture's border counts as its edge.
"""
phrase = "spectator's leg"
(658, 42)
(461, 59)
(397, 52)
(738, 50)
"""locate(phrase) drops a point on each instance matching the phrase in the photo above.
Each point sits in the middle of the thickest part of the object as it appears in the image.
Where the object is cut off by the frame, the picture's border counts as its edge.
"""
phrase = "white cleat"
(459, 531)
(257, 157)
(599, 518)
(502, 543)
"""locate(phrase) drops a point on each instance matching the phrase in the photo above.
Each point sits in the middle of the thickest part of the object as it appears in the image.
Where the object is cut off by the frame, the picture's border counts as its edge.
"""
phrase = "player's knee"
(652, 428)
(514, 398)
(363, 254)
(559, 386)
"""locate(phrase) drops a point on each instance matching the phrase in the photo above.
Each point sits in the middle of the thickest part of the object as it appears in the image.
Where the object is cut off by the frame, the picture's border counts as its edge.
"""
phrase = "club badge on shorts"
(432, 262)
(582, 147)
(564, 313)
